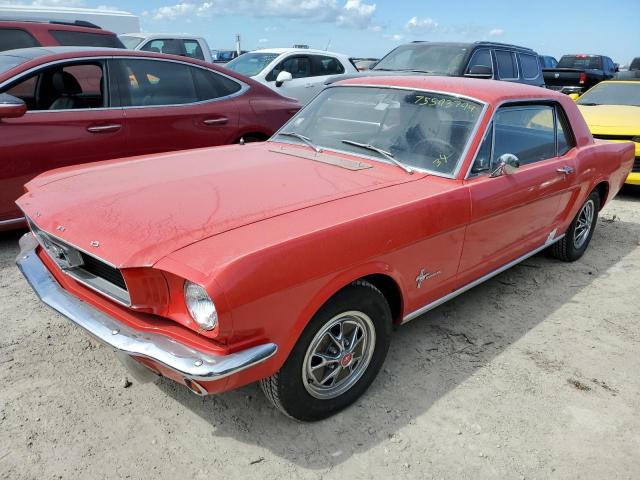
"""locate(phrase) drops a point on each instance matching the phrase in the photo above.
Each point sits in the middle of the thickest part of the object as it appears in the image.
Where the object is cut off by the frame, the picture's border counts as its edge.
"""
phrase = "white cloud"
(352, 13)
(416, 25)
(396, 37)
(496, 32)
(263, 40)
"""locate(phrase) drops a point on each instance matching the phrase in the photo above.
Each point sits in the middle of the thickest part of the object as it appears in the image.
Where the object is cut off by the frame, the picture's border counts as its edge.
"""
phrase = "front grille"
(102, 270)
(636, 165)
(82, 267)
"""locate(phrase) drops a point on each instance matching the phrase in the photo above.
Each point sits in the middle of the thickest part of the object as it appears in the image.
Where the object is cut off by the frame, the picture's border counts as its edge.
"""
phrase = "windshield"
(612, 94)
(583, 62)
(442, 59)
(421, 130)
(251, 64)
(129, 41)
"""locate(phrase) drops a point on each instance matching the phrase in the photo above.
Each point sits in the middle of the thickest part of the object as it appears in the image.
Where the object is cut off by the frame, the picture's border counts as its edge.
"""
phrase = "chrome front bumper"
(186, 361)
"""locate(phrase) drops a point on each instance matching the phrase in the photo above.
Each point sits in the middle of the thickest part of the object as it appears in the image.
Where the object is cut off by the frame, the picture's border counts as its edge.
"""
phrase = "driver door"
(68, 121)
(512, 214)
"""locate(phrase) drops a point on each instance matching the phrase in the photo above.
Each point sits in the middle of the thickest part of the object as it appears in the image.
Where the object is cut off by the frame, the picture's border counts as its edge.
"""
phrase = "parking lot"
(530, 375)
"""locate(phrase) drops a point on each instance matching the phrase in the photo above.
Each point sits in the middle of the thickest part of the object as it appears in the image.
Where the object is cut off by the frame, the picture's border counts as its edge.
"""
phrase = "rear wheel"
(337, 356)
(576, 240)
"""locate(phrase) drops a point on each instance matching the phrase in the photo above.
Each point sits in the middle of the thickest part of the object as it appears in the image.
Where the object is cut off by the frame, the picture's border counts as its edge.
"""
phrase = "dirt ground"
(532, 375)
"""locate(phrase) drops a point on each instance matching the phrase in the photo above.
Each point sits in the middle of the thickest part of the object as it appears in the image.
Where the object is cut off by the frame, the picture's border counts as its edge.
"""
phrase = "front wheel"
(337, 356)
(576, 240)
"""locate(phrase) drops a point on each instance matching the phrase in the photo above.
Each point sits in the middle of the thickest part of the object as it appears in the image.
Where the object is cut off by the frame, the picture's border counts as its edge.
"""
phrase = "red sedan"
(62, 106)
(289, 261)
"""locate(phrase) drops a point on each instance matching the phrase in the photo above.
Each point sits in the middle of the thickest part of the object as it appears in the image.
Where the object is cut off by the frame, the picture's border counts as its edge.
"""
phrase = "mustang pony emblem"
(424, 275)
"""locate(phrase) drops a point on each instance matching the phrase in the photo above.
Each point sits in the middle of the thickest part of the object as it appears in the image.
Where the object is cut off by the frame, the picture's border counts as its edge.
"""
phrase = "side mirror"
(508, 163)
(283, 77)
(480, 71)
(11, 107)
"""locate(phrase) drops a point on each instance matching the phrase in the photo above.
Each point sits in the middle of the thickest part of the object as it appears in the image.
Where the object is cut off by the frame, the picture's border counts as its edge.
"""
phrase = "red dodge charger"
(62, 106)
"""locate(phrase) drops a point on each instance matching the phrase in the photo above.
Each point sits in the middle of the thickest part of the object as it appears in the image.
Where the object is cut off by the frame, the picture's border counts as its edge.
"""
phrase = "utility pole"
(238, 44)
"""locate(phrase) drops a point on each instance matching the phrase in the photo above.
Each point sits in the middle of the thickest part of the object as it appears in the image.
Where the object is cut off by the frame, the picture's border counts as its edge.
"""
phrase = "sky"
(370, 28)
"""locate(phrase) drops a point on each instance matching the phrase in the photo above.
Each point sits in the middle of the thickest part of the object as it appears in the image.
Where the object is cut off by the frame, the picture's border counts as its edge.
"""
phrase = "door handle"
(567, 170)
(104, 128)
(216, 121)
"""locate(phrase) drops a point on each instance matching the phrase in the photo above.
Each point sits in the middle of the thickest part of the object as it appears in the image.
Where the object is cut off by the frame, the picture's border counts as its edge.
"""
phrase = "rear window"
(85, 39)
(12, 38)
(593, 62)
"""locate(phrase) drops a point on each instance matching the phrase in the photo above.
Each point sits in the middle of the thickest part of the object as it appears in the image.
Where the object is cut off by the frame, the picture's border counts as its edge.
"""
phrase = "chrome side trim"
(12, 221)
(415, 314)
(187, 361)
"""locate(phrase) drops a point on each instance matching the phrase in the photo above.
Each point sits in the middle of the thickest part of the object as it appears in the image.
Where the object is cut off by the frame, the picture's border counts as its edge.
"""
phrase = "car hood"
(612, 119)
(141, 209)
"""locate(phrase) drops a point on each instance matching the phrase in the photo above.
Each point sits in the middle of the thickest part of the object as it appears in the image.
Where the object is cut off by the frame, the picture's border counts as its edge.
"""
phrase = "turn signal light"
(583, 78)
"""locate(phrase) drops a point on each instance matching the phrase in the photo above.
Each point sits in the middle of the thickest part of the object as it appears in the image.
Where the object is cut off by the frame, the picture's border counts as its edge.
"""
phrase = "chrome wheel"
(583, 224)
(338, 355)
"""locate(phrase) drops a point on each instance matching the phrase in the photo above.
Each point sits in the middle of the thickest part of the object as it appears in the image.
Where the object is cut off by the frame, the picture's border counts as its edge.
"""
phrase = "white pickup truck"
(171, 43)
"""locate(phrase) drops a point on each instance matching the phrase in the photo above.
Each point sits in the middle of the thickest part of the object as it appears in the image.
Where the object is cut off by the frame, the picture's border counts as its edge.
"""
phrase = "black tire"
(568, 249)
(287, 390)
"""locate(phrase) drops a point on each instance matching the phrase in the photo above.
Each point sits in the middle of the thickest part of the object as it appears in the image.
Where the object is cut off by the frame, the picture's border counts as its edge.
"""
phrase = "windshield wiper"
(389, 156)
(586, 104)
(306, 140)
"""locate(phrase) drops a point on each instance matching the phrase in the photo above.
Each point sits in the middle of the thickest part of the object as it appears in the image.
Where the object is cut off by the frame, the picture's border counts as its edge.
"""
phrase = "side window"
(481, 57)
(85, 39)
(11, 38)
(155, 82)
(507, 69)
(210, 85)
(565, 136)
(70, 87)
(528, 132)
(326, 66)
(530, 66)
(298, 67)
(169, 46)
(193, 49)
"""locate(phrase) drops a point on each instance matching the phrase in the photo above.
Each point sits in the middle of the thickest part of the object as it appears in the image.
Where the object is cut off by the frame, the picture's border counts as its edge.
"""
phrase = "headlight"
(200, 306)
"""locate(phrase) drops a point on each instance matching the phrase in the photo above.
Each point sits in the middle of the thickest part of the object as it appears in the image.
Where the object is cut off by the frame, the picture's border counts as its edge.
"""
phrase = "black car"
(577, 73)
(498, 61)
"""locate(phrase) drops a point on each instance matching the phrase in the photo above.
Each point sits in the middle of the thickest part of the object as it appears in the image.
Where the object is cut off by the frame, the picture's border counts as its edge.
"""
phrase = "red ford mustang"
(288, 261)
(62, 106)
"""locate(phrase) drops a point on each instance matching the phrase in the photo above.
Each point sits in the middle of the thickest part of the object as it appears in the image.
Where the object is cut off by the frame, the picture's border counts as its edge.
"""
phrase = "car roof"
(36, 56)
(35, 25)
(488, 91)
(147, 36)
(472, 44)
(280, 51)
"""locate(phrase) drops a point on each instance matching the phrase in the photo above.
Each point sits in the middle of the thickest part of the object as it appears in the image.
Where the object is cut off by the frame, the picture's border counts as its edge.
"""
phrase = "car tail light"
(583, 78)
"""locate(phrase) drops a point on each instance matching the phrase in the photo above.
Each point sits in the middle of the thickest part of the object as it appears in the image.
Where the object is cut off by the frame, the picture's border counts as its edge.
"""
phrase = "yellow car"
(612, 111)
